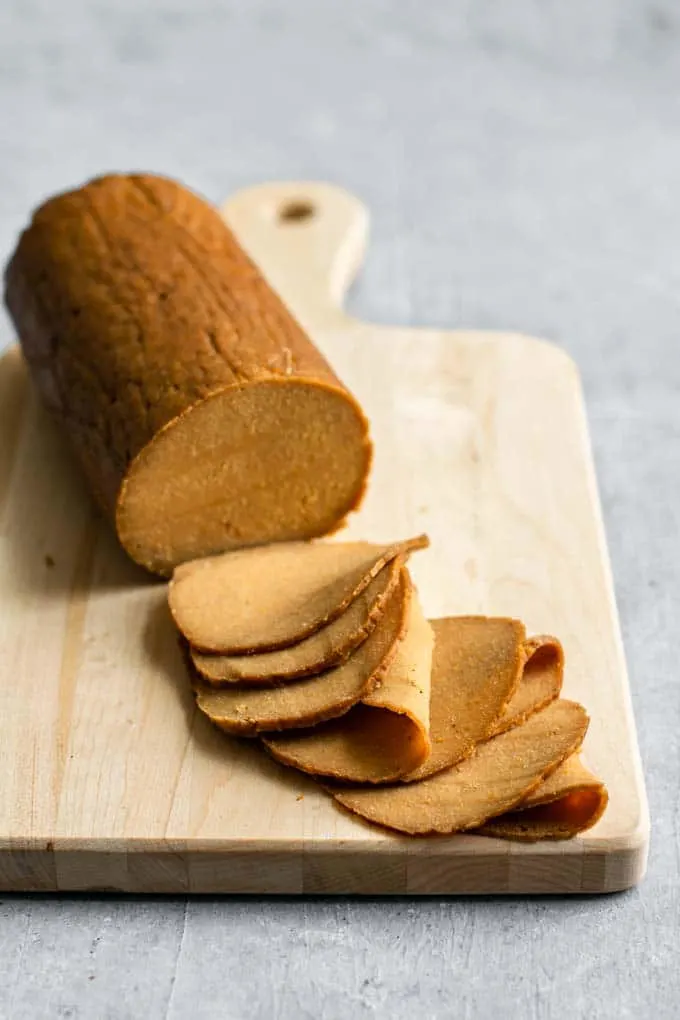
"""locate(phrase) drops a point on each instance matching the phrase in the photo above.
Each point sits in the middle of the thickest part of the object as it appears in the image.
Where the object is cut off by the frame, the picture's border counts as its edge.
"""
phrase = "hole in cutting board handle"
(296, 210)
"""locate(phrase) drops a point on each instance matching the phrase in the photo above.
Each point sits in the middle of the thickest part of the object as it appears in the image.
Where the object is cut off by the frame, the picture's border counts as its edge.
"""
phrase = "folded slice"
(541, 682)
(326, 647)
(476, 668)
(570, 801)
(501, 773)
(254, 710)
(383, 737)
(273, 596)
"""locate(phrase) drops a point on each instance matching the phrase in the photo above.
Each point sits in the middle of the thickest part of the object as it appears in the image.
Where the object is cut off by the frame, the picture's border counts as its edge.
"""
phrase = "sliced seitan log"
(326, 647)
(497, 777)
(203, 416)
(387, 734)
(480, 669)
(568, 802)
(273, 596)
(250, 711)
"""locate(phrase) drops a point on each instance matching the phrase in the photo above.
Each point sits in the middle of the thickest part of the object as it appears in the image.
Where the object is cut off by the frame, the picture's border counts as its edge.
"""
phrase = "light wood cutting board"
(109, 778)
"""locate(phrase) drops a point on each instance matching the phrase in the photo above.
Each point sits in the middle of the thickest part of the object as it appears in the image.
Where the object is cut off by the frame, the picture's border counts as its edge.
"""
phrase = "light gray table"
(522, 161)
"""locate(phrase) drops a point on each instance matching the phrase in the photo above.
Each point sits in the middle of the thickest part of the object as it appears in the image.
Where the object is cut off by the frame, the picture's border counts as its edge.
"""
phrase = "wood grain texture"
(111, 780)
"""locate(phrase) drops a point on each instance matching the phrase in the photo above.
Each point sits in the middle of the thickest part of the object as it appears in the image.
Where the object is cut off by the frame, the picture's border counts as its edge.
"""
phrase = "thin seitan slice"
(250, 711)
(541, 682)
(274, 596)
(476, 669)
(501, 773)
(383, 737)
(203, 416)
(326, 647)
(568, 802)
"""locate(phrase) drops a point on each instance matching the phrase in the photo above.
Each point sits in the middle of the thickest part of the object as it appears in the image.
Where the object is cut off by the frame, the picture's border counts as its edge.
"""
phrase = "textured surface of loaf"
(134, 303)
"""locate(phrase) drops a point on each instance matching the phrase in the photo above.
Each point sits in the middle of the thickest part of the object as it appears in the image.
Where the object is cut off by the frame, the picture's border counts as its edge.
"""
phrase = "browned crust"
(133, 302)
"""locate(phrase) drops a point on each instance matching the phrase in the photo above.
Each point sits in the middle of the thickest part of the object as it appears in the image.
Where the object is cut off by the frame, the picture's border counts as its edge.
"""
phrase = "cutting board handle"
(309, 240)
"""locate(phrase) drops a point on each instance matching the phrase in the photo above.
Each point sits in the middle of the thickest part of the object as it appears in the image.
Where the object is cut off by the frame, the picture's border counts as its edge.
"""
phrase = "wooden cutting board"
(109, 778)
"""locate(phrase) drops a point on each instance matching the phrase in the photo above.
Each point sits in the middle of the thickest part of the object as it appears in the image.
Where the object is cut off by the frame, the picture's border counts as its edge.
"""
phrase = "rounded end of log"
(269, 461)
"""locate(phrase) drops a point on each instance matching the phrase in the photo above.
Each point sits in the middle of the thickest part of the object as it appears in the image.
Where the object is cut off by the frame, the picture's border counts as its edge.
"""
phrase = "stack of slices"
(321, 650)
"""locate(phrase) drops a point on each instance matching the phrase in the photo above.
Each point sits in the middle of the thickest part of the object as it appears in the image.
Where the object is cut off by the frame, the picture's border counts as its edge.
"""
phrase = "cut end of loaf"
(269, 461)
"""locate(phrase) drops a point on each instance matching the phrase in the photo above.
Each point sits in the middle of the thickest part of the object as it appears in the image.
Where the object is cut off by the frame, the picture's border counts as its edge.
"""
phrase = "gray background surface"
(522, 162)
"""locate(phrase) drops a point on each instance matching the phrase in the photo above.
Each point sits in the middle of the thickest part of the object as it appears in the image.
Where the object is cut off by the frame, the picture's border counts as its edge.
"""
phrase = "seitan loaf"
(203, 416)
